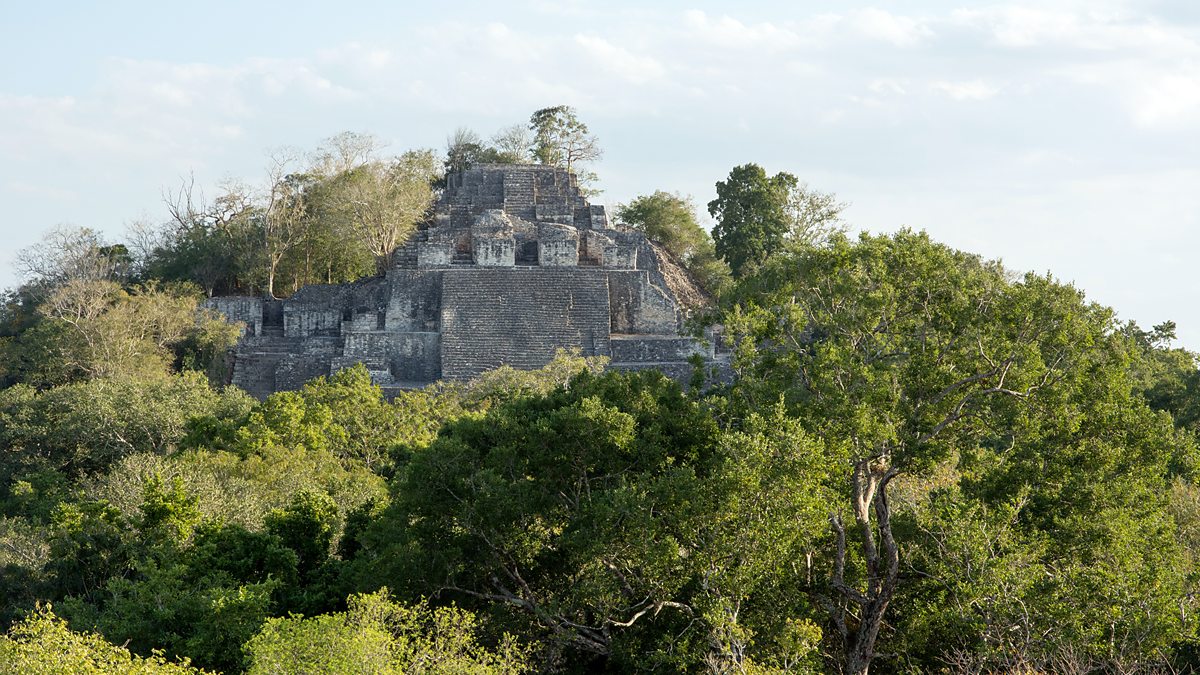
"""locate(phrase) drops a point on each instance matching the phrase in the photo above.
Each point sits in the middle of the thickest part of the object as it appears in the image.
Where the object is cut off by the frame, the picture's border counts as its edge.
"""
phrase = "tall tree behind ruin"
(465, 148)
(561, 139)
(381, 202)
(281, 220)
(212, 243)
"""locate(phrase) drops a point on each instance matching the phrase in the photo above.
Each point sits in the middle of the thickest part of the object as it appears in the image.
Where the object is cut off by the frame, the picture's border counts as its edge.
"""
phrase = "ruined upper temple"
(513, 264)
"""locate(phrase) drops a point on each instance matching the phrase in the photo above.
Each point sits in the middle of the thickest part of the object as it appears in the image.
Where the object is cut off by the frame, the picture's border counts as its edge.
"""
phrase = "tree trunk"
(882, 558)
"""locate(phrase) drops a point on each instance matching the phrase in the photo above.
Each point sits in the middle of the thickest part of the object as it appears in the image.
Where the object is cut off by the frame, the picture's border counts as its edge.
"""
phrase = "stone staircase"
(520, 195)
(258, 358)
(405, 257)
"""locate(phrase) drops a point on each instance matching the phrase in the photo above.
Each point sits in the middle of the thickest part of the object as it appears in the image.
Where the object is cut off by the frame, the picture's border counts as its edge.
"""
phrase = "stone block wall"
(254, 373)
(640, 307)
(495, 251)
(240, 308)
(652, 349)
(597, 217)
(434, 254)
(414, 301)
(359, 322)
(305, 320)
(293, 370)
(324, 295)
(411, 357)
(417, 357)
(520, 317)
(558, 246)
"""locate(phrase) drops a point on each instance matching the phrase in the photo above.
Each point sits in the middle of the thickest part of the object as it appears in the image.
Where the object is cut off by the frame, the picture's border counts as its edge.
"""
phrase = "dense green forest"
(926, 463)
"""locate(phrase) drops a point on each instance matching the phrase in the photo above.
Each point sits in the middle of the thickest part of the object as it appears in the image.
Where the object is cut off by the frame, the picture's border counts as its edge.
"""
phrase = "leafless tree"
(346, 151)
(67, 254)
(513, 144)
(281, 220)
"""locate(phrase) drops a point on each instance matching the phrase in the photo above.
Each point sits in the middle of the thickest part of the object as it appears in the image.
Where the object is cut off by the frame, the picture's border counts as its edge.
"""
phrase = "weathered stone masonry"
(513, 264)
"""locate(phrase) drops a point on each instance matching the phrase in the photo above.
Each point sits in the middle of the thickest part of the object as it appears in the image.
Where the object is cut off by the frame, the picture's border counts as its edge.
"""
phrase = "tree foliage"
(465, 148)
(43, 645)
(612, 518)
(670, 220)
(382, 201)
(561, 139)
(913, 356)
(751, 214)
(377, 635)
(334, 216)
(759, 216)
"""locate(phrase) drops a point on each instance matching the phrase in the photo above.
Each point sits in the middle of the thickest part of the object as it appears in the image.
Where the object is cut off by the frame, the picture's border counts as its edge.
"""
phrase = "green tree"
(671, 220)
(561, 139)
(67, 254)
(382, 201)
(914, 357)
(169, 513)
(613, 519)
(463, 150)
(210, 243)
(191, 588)
(103, 330)
(512, 145)
(86, 427)
(43, 645)
(280, 220)
(91, 543)
(813, 216)
(307, 527)
(376, 635)
(752, 214)
(1166, 376)
(668, 219)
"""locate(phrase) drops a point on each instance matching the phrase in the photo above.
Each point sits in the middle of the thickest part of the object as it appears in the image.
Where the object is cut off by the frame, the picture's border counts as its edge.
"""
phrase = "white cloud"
(878, 24)
(1154, 96)
(41, 191)
(1020, 26)
(726, 31)
(972, 90)
(1017, 26)
(1168, 99)
(888, 86)
(620, 61)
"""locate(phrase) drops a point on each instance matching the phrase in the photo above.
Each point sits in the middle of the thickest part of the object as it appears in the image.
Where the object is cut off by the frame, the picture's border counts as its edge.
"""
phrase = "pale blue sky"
(1057, 135)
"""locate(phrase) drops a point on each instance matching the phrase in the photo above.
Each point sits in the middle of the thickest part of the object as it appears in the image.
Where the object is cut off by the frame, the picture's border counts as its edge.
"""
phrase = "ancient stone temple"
(513, 264)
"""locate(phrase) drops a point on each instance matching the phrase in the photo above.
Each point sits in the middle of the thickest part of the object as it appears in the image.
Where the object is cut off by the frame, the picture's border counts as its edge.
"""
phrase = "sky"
(1059, 136)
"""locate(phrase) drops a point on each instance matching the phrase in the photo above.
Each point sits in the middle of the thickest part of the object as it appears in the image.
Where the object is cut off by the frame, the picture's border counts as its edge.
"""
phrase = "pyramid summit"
(513, 264)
